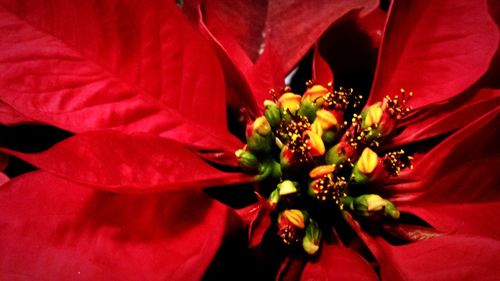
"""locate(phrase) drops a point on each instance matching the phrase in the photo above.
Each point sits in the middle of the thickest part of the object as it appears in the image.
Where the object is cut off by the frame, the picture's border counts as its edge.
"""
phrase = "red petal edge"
(136, 68)
(449, 44)
(113, 161)
(455, 257)
(322, 74)
(58, 230)
(338, 263)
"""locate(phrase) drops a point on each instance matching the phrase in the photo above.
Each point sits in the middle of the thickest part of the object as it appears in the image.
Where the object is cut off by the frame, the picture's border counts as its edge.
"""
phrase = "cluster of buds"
(311, 158)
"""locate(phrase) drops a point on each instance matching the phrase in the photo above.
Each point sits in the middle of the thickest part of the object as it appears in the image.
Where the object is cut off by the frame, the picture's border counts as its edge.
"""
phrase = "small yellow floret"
(367, 161)
(326, 119)
(290, 101)
(296, 217)
(316, 144)
(373, 116)
(261, 126)
(321, 171)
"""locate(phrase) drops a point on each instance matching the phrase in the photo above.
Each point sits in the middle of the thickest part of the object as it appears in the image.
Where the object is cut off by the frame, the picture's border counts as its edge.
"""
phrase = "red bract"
(440, 50)
(264, 41)
(146, 96)
(141, 74)
(57, 229)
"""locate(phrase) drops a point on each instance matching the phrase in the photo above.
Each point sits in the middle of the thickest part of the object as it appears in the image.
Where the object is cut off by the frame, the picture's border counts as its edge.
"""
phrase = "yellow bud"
(316, 128)
(367, 161)
(326, 119)
(290, 101)
(310, 246)
(296, 217)
(316, 144)
(373, 115)
(287, 187)
(375, 203)
(321, 171)
(261, 126)
(269, 103)
(316, 93)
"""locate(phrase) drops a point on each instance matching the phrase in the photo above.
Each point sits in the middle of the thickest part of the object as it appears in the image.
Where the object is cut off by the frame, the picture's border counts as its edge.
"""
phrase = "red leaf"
(369, 241)
(377, 251)
(9, 116)
(373, 24)
(291, 268)
(268, 73)
(411, 233)
(55, 229)
(117, 162)
(460, 218)
(3, 178)
(265, 29)
(87, 66)
(338, 263)
(4, 161)
(234, 61)
(294, 26)
(322, 74)
(446, 118)
(247, 18)
(437, 49)
(454, 257)
(259, 218)
(291, 27)
(463, 168)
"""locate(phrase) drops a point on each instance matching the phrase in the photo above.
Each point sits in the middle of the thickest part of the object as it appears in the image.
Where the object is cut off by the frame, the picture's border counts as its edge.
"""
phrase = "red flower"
(146, 97)
(441, 51)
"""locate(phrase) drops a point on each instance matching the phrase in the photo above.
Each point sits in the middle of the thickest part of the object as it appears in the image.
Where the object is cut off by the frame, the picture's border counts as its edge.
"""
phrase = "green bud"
(269, 168)
(308, 108)
(375, 117)
(259, 143)
(329, 136)
(333, 156)
(348, 202)
(272, 113)
(358, 177)
(274, 198)
(248, 161)
(312, 238)
(368, 203)
(391, 210)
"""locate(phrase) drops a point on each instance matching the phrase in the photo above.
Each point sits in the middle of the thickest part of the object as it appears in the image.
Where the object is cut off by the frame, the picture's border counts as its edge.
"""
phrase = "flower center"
(316, 159)
(330, 188)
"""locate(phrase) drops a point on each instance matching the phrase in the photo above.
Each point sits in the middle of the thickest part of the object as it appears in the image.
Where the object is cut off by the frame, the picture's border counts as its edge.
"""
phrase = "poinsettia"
(145, 97)
(441, 51)
(142, 71)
